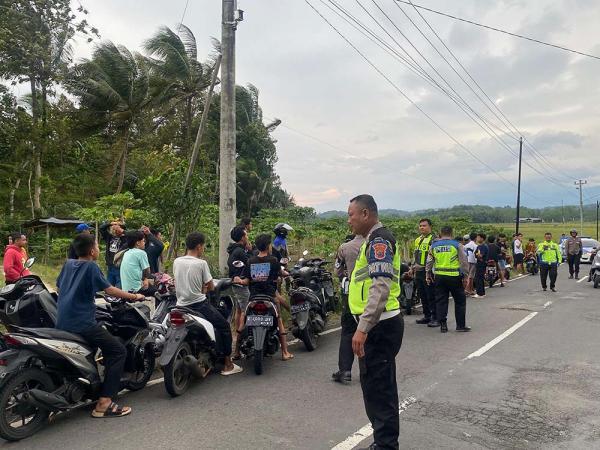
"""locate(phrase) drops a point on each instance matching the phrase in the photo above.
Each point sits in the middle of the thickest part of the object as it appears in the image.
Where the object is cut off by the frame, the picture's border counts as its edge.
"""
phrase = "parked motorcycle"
(595, 270)
(312, 297)
(164, 300)
(408, 294)
(260, 337)
(45, 370)
(491, 273)
(190, 347)
(531, 265)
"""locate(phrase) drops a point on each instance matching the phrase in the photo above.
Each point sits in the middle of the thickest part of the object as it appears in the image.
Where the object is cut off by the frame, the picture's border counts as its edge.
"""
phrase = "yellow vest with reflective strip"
(422, 245)
(549, 252)
(361, 281)
(447, 261)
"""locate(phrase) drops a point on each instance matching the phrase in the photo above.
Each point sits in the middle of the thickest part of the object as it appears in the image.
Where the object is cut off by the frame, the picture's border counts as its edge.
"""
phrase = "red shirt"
(14, 261)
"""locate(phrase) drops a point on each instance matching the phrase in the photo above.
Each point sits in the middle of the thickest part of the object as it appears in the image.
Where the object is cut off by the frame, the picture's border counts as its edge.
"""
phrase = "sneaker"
(463, 329)
(342, 377)
(553, 289)
(423, 321)
(570, 277)
(479, 296)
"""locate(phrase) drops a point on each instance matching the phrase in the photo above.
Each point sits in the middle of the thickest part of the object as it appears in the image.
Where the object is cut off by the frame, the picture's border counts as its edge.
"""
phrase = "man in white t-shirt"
(192, 281)
(470, 248)
(518, 253)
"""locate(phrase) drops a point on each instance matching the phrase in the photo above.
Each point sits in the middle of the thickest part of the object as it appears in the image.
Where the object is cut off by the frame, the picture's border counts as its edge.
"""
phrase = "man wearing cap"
(574, 250)
(82, 228)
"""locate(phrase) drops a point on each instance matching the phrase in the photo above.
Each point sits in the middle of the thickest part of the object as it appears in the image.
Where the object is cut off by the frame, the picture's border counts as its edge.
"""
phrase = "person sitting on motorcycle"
(79, 281)
(192, 281)
(135, 268)
(280, 251)
(261, 286)
(531, 249)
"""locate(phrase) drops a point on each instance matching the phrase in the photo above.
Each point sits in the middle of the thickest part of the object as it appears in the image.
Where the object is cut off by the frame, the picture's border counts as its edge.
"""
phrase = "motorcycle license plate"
(259, 321)
(299, 308)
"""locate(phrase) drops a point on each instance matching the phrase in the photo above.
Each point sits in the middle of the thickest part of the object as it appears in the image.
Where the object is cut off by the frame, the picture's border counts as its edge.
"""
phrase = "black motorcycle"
(190, 347)
(260, 337)
(46, 371)
(312, 297)
(408, 293)
(28, 303)
(531, 265)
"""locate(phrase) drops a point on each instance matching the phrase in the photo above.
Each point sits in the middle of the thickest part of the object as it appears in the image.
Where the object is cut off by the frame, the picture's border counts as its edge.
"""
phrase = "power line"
(520, 36)
(183, 15)
(401, 92)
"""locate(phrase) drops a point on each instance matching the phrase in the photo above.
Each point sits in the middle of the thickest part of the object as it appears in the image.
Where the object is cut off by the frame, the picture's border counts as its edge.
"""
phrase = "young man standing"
(113, 235)
(77, 284)
(425, 291)
(470, 249)
(482, 255)
(154, 248)
(550, 257)
(15, 256)
(192, 281)
(518, 253)
(135, 268)
(239, 270)
(494, 255)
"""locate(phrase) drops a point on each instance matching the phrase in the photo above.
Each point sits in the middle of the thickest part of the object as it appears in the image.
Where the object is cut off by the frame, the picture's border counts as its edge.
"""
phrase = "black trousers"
(378, 381)
(479, 281)
(346, 354)
(548, 269)
(426, 293)
(444, 286)
(222, 329)
(114, 355)
(573, 261)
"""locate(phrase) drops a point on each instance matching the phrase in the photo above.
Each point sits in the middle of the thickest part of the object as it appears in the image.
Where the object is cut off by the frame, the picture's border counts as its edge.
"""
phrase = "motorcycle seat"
(221, 284)
(53, 333)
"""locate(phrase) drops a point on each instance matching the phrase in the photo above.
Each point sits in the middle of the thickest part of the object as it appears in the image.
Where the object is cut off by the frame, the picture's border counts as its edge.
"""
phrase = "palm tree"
(113, 89)
(179, 78)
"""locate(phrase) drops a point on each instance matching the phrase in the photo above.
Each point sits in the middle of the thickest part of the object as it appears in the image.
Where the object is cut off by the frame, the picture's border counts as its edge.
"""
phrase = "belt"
(384, 315)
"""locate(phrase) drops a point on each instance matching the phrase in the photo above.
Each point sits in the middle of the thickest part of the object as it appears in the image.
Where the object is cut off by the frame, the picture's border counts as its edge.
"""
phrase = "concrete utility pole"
(518, 219)
(579, 185)
(227, 163)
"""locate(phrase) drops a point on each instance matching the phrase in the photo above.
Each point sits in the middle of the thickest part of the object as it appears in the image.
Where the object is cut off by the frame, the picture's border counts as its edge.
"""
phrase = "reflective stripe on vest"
(422, 246)
(360, 282)
(447, 261)
(549, 252)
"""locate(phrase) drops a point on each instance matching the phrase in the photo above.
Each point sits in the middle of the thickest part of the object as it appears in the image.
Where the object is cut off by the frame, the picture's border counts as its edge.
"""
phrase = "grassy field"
(537, 230)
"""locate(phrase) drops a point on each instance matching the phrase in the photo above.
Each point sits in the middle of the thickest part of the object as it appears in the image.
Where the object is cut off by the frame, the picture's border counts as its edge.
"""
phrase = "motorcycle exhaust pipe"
(46, 400)
(192, 364)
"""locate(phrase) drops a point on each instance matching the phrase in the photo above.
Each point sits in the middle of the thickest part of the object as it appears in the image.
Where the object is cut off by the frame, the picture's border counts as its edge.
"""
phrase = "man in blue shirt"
(78, 282)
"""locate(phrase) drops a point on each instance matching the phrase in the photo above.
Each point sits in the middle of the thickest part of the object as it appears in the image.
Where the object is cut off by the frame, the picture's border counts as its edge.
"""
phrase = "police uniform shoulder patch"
(380, 257)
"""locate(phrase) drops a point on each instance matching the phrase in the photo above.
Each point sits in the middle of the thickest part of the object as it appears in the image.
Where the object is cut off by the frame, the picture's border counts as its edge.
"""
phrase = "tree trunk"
(12, 197)
(30, 196)
(123, 161)
(189, 117)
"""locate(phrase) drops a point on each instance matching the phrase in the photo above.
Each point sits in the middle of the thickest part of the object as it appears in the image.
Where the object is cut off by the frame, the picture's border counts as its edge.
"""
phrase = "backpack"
(118, 259)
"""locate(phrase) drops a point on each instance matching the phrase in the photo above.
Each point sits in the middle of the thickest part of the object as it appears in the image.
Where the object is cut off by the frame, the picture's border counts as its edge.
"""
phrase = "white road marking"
(582, 280)
(548, 303)
(503, 336)
(352, 441)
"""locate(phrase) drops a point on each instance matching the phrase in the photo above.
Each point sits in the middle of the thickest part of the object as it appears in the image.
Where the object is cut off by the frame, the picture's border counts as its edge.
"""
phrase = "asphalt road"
(536, 385)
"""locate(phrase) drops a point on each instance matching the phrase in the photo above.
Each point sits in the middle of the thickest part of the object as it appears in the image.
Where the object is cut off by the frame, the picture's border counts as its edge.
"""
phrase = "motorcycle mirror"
(238, 264)
(30, 262)
(284, 261)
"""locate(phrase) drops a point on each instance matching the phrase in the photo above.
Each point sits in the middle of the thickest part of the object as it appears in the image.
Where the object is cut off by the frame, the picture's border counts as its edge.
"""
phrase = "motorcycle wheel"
(177, 375)
(596, 282)
(308, 336)
(258, 362)
(491, 283)
(140, 378)
(19, 421)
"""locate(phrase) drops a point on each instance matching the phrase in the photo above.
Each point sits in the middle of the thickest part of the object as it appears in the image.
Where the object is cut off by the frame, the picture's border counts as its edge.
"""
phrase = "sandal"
(233, 371)
(113, 410)
(287, 358)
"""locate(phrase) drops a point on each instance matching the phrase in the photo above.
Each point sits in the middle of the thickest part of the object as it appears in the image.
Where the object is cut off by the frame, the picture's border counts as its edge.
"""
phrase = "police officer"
(373, 300)
(449, 260)
(549, 257)
(422, 246)
(344, 265)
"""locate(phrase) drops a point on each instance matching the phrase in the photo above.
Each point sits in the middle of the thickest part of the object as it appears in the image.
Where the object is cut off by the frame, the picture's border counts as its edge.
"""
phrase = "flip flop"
(283, 358)
(113, 410)
(236, 369)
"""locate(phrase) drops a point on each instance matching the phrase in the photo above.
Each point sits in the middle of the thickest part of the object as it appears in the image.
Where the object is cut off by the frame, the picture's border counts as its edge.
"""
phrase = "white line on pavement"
(352, 441)
(503, 336)
(548, 303)
(582, 280)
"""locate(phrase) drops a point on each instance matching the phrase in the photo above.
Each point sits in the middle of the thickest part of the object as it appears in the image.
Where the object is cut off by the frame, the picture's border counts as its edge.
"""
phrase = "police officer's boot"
(443, 326)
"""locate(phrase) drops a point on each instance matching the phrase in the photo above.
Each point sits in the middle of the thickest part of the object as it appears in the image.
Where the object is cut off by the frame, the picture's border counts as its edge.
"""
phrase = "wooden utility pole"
(579, 185)
(227, 161)
(196, 150)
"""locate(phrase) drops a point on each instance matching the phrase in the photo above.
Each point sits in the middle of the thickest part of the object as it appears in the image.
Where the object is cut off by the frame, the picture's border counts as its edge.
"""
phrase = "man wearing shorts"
(239, 274)
(470, 249)
(519, 253)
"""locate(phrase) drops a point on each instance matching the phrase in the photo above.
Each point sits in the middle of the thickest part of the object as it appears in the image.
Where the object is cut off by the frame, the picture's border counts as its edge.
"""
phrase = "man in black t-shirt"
(264, 273)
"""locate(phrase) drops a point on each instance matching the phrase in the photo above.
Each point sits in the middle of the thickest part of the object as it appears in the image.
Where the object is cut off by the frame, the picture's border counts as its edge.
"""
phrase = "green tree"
(113, 90)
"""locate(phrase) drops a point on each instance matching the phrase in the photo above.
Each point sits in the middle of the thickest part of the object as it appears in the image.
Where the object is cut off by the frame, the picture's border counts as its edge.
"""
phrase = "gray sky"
(372, 139)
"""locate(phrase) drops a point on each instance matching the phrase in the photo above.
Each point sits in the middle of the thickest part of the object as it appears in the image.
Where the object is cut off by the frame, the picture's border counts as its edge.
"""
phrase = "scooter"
(491, 273)
(190, 343)
(531, 265)
(408, 293)
(595, 270)
(47, 371)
